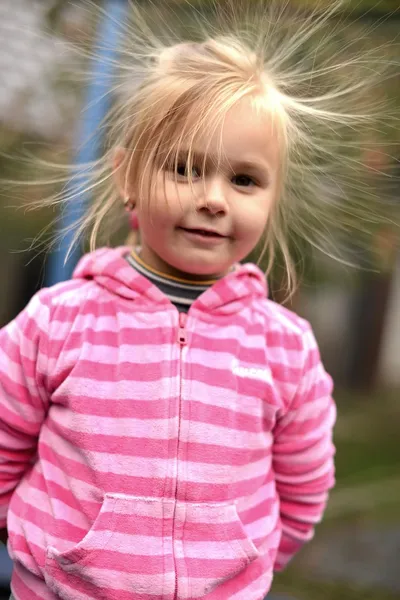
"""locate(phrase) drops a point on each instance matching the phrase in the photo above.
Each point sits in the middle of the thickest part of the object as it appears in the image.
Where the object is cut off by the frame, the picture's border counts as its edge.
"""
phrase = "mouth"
(206, 233)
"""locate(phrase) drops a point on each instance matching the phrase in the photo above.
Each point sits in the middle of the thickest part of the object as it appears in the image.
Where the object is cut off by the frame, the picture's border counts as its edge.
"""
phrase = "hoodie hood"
(109, 269)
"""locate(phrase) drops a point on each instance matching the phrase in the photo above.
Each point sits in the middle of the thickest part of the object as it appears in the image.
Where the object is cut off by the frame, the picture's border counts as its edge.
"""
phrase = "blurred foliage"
(359, 7)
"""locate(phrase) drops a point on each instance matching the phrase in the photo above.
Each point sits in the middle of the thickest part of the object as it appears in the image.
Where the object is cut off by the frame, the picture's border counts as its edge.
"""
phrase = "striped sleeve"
(23, 401)
(303, 454)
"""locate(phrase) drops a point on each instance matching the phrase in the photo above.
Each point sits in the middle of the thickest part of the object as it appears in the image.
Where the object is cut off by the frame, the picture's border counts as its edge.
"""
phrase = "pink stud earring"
(134, 221)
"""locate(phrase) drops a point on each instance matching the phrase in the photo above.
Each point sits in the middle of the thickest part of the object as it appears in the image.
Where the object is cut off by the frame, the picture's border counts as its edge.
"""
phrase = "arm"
(303, 455)
(23, 403)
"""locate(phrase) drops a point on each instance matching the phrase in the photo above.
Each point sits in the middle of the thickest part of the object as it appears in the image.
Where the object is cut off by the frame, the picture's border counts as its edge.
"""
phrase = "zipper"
(182, 337)
(182, 341)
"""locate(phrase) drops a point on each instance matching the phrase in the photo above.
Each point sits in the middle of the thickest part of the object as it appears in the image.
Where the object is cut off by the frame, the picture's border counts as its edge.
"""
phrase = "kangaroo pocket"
(210, 546)
(127, 551)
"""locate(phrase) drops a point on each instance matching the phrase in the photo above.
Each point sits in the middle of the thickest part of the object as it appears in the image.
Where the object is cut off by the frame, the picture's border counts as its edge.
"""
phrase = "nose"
(214, 197)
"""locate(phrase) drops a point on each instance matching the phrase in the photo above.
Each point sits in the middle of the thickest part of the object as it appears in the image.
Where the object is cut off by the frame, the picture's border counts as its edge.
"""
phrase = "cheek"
(158, 214)
(252, 217)
(171, 201)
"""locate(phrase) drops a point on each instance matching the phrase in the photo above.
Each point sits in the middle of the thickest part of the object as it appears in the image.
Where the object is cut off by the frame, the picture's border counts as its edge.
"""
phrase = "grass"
(367, 436)
(367, 490)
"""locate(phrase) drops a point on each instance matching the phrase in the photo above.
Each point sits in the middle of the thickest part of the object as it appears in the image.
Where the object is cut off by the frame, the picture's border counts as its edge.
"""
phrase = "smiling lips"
(204, 237)
(204, 232)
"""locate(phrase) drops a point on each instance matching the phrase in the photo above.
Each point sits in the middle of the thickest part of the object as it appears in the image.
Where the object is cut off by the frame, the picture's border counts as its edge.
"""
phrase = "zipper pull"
(182, 337)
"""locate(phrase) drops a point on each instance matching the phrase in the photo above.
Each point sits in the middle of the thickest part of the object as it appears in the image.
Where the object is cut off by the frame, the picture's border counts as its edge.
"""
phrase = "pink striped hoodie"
(146, 455)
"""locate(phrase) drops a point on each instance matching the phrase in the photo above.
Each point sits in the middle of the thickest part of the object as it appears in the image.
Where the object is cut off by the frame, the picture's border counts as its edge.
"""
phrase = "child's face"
(200, 229)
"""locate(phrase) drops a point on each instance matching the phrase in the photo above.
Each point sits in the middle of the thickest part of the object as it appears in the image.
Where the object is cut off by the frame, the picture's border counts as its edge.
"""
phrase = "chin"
(200, 268)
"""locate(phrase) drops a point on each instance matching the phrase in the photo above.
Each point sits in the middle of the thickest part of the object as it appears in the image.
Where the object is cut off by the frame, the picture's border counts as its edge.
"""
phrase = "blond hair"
(171, 87)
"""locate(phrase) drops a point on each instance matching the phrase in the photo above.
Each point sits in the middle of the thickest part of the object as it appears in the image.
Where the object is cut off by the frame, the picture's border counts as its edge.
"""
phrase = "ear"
(121, 177)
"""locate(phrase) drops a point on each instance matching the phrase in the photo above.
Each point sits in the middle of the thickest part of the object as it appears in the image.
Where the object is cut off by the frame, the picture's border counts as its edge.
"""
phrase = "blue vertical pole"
(98, 102)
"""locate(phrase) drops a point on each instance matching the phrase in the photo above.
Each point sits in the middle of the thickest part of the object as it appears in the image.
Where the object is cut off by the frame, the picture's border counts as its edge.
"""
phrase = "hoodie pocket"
(211, 547)
(128, 549)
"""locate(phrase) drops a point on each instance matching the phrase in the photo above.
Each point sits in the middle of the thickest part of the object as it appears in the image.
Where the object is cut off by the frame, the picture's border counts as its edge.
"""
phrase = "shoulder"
(292, 351)
(30, 332)
(277, 320)
(284, 324)
(293, 354)
(68, 294)
(57, 305)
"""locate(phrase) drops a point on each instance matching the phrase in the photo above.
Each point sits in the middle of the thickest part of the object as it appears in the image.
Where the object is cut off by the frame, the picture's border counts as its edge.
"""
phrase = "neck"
(154, 262)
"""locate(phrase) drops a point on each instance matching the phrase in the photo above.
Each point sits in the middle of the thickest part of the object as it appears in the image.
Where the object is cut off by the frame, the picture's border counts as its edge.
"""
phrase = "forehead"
(246, 134)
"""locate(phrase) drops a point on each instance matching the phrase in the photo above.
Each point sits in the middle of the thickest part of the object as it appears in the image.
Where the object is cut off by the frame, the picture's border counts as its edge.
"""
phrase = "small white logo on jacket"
(251, 372)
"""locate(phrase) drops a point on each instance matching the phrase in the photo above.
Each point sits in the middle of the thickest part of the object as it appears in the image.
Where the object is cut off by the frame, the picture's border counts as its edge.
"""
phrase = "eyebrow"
(235, 164)
(249, 164)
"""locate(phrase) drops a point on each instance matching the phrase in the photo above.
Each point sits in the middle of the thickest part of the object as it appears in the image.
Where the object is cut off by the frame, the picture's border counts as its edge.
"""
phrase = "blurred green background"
(355, 313)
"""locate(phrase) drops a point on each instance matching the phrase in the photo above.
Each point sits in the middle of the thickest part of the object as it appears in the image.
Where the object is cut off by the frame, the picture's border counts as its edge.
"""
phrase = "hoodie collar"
(109, 268)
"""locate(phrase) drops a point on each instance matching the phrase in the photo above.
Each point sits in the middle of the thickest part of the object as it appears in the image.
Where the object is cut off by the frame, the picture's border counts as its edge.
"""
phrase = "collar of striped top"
(181, 292)
(110, 270)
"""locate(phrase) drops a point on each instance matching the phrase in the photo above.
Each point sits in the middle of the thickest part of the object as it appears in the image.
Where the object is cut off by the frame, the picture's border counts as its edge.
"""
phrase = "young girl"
(165, 428)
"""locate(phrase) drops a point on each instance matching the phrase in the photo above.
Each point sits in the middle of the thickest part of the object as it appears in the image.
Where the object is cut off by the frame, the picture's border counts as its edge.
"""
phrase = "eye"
(243, 180)
(181, 171)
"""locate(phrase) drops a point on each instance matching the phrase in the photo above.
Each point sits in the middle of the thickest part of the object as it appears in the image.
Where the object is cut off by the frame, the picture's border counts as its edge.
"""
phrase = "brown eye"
(182, 171)
(243, 181)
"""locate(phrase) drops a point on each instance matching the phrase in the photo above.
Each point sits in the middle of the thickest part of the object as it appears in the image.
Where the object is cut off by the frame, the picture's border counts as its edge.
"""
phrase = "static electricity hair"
(312, 72)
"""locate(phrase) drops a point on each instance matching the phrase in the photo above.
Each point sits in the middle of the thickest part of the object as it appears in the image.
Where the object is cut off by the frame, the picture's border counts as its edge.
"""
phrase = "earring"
(129, 204)
(134, 221)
